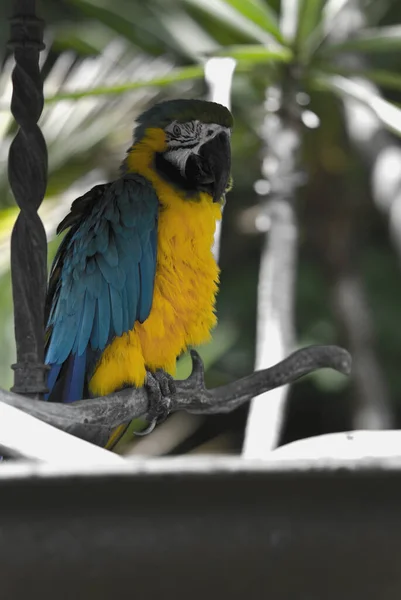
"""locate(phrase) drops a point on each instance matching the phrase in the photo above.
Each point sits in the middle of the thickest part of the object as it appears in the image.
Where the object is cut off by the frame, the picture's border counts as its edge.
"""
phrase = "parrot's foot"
(160, 385)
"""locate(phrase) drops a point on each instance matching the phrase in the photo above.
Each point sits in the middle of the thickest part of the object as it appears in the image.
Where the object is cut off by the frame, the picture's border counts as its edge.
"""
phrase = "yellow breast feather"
(186, 281)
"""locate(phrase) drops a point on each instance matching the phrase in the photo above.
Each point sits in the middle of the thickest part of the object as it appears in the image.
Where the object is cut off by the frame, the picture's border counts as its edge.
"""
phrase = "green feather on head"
(183, 111)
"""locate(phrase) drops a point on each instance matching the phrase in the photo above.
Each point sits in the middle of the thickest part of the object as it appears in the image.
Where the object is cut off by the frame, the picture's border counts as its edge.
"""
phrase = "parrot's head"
(191, 144)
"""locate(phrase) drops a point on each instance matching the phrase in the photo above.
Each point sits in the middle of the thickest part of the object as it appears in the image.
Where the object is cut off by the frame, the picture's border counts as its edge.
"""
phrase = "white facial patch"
(184, 139)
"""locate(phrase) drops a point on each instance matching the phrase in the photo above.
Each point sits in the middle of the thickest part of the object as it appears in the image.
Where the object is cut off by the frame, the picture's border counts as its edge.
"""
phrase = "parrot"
(134, 280)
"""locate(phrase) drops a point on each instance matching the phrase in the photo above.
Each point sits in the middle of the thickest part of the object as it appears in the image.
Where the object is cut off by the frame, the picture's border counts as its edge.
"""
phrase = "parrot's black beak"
(217, 155)
(211, 168)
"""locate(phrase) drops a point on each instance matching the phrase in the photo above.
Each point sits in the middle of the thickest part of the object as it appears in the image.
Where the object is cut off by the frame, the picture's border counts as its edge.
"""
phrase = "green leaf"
(84, 40)
(385, 79)
(75, 42)
(259, 13)
(246, 55)
(186, 34)
(387, 113)
(380, 39)
(257, 53)
(134, 25)
(177, 75)
(309, 17)
(299, 19)
(323, 27)
(226, 15)
(289, 19)
(7, 220)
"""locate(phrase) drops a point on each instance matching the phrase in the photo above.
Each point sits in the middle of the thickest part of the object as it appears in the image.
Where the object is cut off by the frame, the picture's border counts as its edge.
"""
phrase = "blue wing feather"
(96, 327)
(116, 310)
(125, 316)
(86, 328)
(104, 316)
(133, 289)
(111, 254)
(102, 278)
(147, 273)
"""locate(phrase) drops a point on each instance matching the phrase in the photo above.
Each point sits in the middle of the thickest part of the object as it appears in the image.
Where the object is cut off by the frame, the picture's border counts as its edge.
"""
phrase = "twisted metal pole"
(27, 173)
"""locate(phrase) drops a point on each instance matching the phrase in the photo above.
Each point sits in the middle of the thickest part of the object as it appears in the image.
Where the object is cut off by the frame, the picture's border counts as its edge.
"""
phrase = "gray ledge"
(218, 528)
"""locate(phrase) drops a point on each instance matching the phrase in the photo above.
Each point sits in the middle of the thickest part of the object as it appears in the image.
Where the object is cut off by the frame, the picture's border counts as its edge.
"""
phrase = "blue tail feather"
(75, 380)
(52, 377)
(66, 382)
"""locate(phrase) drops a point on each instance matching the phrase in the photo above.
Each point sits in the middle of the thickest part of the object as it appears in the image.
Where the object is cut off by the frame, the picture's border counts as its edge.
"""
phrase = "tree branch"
(94, 419)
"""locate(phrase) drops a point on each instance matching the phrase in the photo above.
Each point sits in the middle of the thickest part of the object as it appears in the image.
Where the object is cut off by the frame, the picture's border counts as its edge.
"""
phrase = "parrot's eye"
(176, 130)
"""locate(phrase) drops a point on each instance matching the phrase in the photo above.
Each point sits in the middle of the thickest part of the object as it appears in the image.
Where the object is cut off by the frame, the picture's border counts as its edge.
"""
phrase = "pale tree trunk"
(372, 405)
(219, 75)
(275, 310)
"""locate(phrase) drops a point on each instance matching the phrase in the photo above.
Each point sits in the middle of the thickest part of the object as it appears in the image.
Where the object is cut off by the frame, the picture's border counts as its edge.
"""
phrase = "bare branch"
(93, 419)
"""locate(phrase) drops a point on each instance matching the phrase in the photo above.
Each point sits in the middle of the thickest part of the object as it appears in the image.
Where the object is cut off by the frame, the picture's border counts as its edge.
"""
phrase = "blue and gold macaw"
(134, 280)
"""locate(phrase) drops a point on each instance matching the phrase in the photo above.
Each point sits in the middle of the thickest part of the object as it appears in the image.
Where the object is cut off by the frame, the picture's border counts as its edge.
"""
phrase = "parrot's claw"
(160, 385)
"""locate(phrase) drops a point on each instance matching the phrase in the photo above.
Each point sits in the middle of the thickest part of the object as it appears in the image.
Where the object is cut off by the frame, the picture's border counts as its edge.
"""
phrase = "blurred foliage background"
(327, 73)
